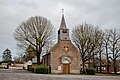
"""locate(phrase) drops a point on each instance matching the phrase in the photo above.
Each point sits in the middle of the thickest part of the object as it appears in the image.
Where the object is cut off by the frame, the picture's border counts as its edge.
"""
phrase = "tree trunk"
(100, 63)
(38, 58)
(114, 60)
(83, 66)
(115, 68)
(107, 59)
(93, 60)
(88, 63)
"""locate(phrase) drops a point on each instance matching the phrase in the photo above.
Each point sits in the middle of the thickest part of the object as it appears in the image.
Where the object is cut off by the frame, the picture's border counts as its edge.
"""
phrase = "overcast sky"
(102, 13)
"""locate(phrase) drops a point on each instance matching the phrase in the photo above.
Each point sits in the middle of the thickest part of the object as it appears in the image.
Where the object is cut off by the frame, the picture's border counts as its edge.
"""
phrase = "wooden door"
(66, 69)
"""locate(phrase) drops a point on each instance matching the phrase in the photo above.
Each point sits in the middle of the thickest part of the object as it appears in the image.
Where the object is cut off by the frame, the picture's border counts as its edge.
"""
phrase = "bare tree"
(100, 51)
(19, 59)
(36, 31)
(47, 47)
(86, 38)
(114, 47)
(106, 45)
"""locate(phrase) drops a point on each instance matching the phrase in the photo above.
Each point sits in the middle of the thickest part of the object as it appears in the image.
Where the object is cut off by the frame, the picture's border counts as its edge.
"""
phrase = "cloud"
(103, 13)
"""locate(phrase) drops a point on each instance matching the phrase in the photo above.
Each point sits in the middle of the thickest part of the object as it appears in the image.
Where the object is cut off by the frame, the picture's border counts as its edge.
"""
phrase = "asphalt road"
(12, 74)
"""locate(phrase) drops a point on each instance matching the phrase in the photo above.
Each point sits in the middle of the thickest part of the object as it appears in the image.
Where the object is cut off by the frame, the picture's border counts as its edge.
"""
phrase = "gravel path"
(6, 74)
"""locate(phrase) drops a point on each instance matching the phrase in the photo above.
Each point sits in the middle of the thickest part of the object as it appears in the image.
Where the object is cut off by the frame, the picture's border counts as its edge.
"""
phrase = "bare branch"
(36, 31)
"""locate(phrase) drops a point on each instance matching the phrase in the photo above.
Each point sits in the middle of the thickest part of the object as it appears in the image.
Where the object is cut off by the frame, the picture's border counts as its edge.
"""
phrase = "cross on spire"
(63, 32)
(62, 11)
(63, 24)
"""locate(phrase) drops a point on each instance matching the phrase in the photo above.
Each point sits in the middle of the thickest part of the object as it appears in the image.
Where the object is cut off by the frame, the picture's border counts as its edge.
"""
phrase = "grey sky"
(103, 13)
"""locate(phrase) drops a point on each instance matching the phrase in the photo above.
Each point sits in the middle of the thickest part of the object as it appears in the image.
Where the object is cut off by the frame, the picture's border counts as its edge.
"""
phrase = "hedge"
(41, 69)
(90, 71)
(29, 67)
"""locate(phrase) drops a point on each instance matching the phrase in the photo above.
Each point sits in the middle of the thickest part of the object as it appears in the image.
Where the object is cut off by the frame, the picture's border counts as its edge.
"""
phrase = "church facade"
(63, 57)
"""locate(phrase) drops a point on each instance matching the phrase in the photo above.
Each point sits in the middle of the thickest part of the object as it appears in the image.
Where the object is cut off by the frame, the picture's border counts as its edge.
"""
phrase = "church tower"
(63, 57)
(63, 32)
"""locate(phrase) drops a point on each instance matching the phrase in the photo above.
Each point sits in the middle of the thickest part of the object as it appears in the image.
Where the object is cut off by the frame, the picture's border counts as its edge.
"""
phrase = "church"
(63, 57)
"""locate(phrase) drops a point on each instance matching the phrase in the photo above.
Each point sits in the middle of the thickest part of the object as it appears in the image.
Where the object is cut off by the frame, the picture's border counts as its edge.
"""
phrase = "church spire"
(63, 24)
(63, 32)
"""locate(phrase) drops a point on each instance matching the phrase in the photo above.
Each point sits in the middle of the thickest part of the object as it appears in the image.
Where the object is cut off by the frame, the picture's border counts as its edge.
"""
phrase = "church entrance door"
(66, 68)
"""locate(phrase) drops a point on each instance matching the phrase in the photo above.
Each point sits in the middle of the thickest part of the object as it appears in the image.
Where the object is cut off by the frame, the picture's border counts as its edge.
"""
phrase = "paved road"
(6, 74)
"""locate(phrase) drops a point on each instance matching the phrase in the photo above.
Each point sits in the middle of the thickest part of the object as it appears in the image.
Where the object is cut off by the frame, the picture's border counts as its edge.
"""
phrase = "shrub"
(41, 69)
(29, 67)
(32, 69)
(90, 71)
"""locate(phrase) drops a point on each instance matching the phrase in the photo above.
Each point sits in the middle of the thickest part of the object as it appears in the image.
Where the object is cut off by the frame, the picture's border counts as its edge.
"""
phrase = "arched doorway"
(66, 68)
(66, 65)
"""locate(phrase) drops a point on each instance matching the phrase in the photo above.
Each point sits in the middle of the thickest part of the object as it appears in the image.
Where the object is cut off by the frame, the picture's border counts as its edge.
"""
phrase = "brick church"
(63, 57)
